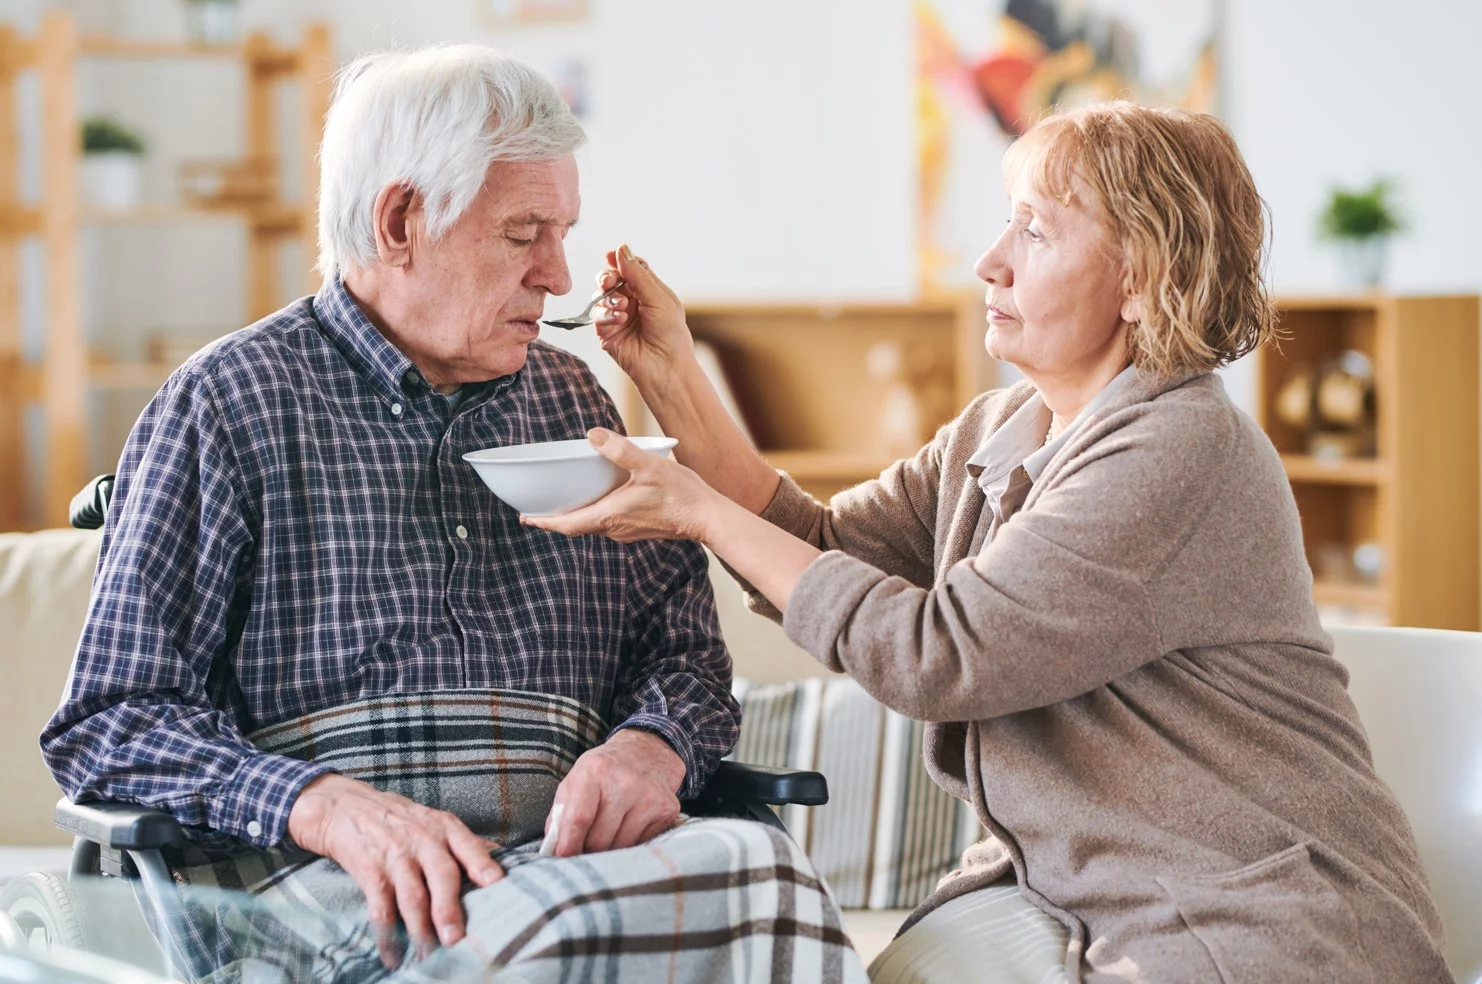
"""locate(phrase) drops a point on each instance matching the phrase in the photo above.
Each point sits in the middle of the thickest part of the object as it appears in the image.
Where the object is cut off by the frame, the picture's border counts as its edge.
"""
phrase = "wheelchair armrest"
(90, 505)
(763, 784)
(125, 826)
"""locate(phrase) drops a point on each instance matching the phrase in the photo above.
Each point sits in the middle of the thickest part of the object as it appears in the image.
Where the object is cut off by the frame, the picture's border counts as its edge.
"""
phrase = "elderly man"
(314, 632)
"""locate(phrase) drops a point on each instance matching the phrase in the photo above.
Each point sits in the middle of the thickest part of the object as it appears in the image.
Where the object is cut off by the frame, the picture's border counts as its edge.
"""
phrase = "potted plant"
(212, 21)
(1360, 224)
(111, 155)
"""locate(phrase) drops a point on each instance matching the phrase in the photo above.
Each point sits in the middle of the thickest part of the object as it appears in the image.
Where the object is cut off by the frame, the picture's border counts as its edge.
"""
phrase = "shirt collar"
(1021, 439)
(362, 343)
(1036, 462)
(1008, 446)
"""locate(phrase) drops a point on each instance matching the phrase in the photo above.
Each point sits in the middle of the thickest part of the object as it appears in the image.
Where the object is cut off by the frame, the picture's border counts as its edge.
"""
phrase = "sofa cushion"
(888, 833)
(44, 583)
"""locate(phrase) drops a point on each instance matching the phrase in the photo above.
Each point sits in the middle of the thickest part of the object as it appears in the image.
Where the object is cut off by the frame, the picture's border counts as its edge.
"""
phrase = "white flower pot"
(1363, 261)
(111, 180)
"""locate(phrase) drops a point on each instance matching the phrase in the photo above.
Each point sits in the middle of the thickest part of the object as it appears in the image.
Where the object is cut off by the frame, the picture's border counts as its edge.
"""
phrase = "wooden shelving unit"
(1416, 499)
(799, 375)
(61, 382)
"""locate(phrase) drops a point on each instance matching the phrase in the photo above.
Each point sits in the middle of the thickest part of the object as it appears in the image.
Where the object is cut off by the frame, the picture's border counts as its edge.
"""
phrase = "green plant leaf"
(1360, 214)
(104, 134)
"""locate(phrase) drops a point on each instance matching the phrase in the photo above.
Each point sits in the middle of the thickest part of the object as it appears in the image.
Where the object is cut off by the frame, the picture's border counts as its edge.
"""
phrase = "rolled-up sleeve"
(146, 716)
(677, 672)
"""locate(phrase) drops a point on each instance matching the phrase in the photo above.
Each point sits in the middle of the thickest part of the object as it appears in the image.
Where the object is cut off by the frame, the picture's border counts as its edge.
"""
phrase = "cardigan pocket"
(1279, 919)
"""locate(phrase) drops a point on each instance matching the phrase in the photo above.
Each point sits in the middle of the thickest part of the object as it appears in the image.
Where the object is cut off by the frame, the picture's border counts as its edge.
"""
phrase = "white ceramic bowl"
(554, 476)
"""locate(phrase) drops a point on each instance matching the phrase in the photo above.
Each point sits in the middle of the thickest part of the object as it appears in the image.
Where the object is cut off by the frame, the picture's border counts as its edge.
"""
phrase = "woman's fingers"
(619, 450)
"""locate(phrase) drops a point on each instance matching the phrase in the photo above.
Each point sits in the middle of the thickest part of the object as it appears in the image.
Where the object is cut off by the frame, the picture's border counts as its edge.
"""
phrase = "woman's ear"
(397, 219)
(1132, 309)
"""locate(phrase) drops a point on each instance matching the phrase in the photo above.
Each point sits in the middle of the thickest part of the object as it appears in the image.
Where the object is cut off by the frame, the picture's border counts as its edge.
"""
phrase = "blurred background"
(756, 153)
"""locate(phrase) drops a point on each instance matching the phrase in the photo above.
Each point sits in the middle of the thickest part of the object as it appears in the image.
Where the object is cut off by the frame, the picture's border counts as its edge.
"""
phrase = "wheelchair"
(126, 842)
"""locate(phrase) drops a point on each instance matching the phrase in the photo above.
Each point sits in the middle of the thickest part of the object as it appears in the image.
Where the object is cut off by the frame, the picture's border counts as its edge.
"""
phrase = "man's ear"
(398, 223)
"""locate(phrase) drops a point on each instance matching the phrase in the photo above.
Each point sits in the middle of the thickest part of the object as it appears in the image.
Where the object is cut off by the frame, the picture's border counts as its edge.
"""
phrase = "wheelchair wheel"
(47, 912)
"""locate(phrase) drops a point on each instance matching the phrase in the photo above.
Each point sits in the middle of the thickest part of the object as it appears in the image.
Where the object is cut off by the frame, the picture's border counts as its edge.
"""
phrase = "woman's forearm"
(769, 558)
(688, 409)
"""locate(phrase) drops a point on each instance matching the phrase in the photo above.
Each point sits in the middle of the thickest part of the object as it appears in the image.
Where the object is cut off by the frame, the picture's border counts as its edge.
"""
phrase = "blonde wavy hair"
(1183, 216)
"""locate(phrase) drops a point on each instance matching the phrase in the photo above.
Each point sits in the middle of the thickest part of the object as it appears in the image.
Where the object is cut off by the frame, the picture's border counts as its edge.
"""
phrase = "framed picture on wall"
(986, 70)
(500, 13)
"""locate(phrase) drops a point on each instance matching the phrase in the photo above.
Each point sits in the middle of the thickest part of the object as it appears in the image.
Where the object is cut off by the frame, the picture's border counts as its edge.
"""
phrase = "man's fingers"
(605, 827)
(412, 899)
(636, 824)
(472, 852)
(582, 806)
(663, 824)
(380, 907)
(445, 887)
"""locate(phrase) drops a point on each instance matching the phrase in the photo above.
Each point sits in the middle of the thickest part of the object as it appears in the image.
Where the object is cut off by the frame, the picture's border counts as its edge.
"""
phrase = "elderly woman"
(1091, 584)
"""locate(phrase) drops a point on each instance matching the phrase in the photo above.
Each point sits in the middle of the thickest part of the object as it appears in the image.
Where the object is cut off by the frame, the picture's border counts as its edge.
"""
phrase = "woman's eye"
(1032, 231)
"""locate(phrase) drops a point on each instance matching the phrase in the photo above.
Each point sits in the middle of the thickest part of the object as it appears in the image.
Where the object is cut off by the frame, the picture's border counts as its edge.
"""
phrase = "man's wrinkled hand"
(406, 858)
(619, 794)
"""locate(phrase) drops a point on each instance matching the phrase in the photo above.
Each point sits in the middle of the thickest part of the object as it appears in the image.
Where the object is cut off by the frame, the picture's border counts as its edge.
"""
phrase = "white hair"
(433, 119)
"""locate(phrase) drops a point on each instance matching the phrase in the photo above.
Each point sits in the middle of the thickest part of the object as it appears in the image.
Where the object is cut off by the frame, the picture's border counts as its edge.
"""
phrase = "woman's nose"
(993, 266)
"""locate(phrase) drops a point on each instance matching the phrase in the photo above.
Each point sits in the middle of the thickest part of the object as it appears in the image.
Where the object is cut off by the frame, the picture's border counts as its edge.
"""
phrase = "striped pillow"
(888, 832)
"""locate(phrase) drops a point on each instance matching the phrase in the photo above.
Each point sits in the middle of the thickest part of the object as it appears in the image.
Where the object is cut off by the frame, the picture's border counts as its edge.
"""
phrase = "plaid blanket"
(714, 900)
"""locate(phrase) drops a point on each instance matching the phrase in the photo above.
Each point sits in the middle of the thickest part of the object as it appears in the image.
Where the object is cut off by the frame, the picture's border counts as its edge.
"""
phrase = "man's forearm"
(214, 783)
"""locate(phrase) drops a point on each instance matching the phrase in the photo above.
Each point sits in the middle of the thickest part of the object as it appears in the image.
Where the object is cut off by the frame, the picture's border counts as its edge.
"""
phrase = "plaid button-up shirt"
(293, 527)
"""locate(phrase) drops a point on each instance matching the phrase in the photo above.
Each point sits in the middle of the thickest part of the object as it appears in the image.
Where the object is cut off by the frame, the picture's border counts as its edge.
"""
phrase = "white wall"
(766, 150)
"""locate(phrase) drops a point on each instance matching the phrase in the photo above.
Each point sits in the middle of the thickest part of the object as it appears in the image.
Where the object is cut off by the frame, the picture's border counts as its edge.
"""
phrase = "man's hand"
(619, 794)
(404, 856)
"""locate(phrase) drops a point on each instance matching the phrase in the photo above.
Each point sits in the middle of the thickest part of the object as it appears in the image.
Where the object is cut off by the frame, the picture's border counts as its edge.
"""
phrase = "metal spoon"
(585, 318)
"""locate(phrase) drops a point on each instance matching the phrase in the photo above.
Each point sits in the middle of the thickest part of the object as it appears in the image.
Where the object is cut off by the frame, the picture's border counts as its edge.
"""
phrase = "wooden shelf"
(1331, 302)
(107, 374)
(1350, 471)
(104, 46)
(1352, 595)
(263, 55)
(842, 467)
(281, 218)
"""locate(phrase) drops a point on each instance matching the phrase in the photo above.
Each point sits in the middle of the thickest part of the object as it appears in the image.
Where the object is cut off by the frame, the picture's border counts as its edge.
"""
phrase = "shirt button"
(462, 532)
(396, 409)
(254, 829)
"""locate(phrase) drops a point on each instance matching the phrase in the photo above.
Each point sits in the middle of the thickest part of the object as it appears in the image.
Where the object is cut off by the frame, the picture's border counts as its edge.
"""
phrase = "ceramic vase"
(1363, 261)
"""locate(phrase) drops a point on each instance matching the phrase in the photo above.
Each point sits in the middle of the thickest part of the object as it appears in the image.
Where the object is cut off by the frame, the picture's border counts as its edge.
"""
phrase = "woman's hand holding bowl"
(662, 499)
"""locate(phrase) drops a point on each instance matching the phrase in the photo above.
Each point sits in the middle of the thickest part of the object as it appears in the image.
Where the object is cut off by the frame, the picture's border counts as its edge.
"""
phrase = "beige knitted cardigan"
(1129, 683)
